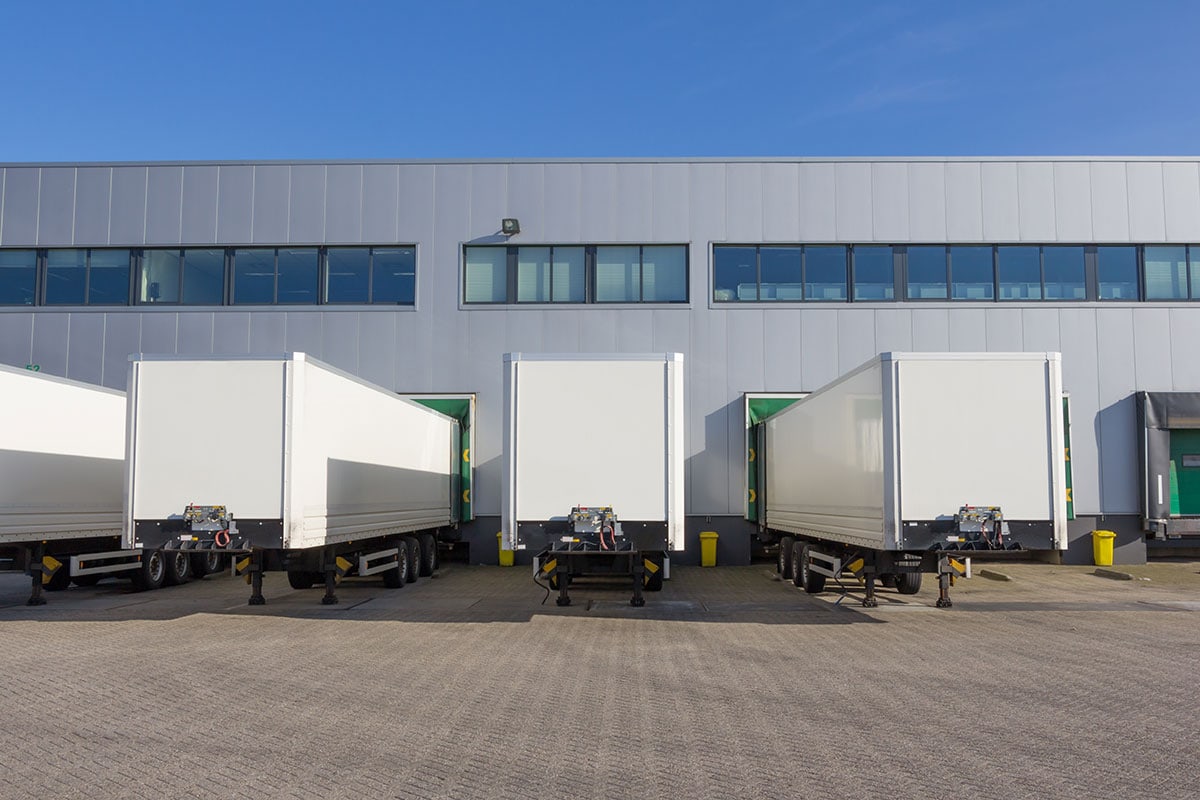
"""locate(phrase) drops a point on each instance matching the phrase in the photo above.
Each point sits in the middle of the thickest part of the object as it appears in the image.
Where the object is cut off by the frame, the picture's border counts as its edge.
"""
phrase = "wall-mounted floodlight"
(510, 226)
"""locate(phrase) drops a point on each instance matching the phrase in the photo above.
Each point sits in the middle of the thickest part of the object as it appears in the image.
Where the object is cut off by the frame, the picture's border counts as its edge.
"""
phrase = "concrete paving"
(729, 683)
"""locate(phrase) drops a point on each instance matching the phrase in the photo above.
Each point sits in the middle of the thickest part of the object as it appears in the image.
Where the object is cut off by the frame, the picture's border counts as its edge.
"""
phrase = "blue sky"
(228, 80)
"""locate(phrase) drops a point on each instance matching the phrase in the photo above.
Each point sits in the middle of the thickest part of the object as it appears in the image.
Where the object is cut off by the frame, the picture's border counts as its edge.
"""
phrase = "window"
(18, 277)
(87, 277)
(824, 272)
(108, 277)
(782, 270)
(66, 277)
(253, 277)
(971, 273)
(348, 277)
(575, 274)
(927, 273)
(735, 273)
(1064, 273)
(203, 277)
(1166, 270)
(1117, 273)
(1019, 270)
(394, 275)
(158, 279)
(297, 276)
(874, 273)
(191, 277)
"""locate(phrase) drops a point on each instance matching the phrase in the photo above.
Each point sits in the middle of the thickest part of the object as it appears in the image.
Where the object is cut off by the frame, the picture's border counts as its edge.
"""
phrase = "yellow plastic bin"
(506, 556)
(708, 548)
(1102, 548)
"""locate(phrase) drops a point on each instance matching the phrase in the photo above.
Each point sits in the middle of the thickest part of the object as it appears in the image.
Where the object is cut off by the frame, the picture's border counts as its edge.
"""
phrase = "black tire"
(785, 558)
(811, 582)
(398, 576)
(60, 580)
(302, 578)
(205, 564)
(908, 582)
(654, 580)
(152, 572)
(179, 567)
(414, 558)
(86, 580)
(887, 580)
(428, 564)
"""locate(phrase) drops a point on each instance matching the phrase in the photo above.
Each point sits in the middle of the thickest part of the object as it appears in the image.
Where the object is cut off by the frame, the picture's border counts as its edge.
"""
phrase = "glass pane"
(1116, 273)
(66, 274)
(486, 279)
(618, 275)
(159, 279)
(18, 276)
(1064, 273)
(926, 273)
(346, 281)
(533, 274)
(253, 277)
(1166, 273)
(394, 278)
(203, 277)
(664, 274)
(873, 273)
(569, 284)
(971, 269)
(298, 276)
(735, 273)
(825, 273)
(782, 278)
(1020, 271)
(108, 277)
(1193, 265)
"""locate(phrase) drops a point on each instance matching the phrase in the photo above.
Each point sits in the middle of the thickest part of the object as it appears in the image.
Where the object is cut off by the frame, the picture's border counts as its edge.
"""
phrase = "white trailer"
(911, 462)
(62, 447)
(290, 465)
(593, 464)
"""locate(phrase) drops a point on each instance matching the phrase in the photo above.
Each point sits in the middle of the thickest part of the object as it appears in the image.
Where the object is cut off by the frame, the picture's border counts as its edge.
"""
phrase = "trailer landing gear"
(35, 571)
(948, 569)
(256, 577)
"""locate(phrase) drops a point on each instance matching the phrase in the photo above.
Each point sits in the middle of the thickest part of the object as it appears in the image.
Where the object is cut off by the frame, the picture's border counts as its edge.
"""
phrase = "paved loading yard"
(728, 684)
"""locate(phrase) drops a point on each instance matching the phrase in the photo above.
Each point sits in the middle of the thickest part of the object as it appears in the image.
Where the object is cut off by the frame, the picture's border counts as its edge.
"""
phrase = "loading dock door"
(1185, 473)
(758, 406)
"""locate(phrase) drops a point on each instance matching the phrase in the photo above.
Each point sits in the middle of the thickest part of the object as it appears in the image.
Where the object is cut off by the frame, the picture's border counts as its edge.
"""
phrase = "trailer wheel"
(396, 577)
(785, 557)
(428, 544)
(908, 582)
(302, 578)
(206, 564)
(59, 580)
(887, 580)
(414, 558)
(152, 572)
(811, 582)
(179, 568)
(654, 581)
(86, 580)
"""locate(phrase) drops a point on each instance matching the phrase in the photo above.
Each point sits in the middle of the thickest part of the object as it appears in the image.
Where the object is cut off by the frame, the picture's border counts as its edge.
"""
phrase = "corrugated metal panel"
(1110, 202)
(635, 187)
(377, 348)
(272, 196)
(1081, 378)
(1185, 367)
(931, 329)
(1035, 199)
(159, 332)
(1152, 348)
(597, 332)
(781, 202)
(853, 201)
(199, 218)
(231, 333)
(968, 329)
(306, 216)
(745, 372)
(85, 348)
(856, 338)
(964, 202)
(453, 205)
(927, 202)
(1181, 198)
(56, 207)
(339, 340)
(268, 332)
(235, 204)
(303, 333)
(1039, 329)
(672, 202)
(635, 330)
(18, 225)
(744, 202)
(127, 223)
(889, 201)
(1117, 419)
(562, 328)
(893, 330)
(1003, 327)
(164, 208)
(488, 199)
(92, 187)
(563, 212)
(16, 339)
(526, 200)
(710, 409)
(818, 358)
(1073, 202)
(380, 205)
(195, 333)
(1001, 206)
(417, 216)
(122, 338)
(51, 340)
(782, 337)
(1147, 219)
(818, 203)
(344, 202)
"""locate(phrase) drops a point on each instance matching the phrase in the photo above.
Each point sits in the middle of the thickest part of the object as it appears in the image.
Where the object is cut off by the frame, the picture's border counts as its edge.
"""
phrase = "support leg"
(35, 555)
(256, 575)
(943, 600)
(330, 561)
(639, 577)
(563, 576)
(869, 600)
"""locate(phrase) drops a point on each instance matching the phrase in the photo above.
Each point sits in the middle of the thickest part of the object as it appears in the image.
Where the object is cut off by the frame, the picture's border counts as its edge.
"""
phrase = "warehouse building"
(769, 275)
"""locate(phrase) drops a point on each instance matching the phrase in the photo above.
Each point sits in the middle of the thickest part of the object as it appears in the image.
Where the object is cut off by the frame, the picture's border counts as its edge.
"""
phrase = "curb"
(1113, 574)
(992, 574)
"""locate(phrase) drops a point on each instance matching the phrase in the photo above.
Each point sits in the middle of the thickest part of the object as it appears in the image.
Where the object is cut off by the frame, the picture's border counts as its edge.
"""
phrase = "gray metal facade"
(1110, 349)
